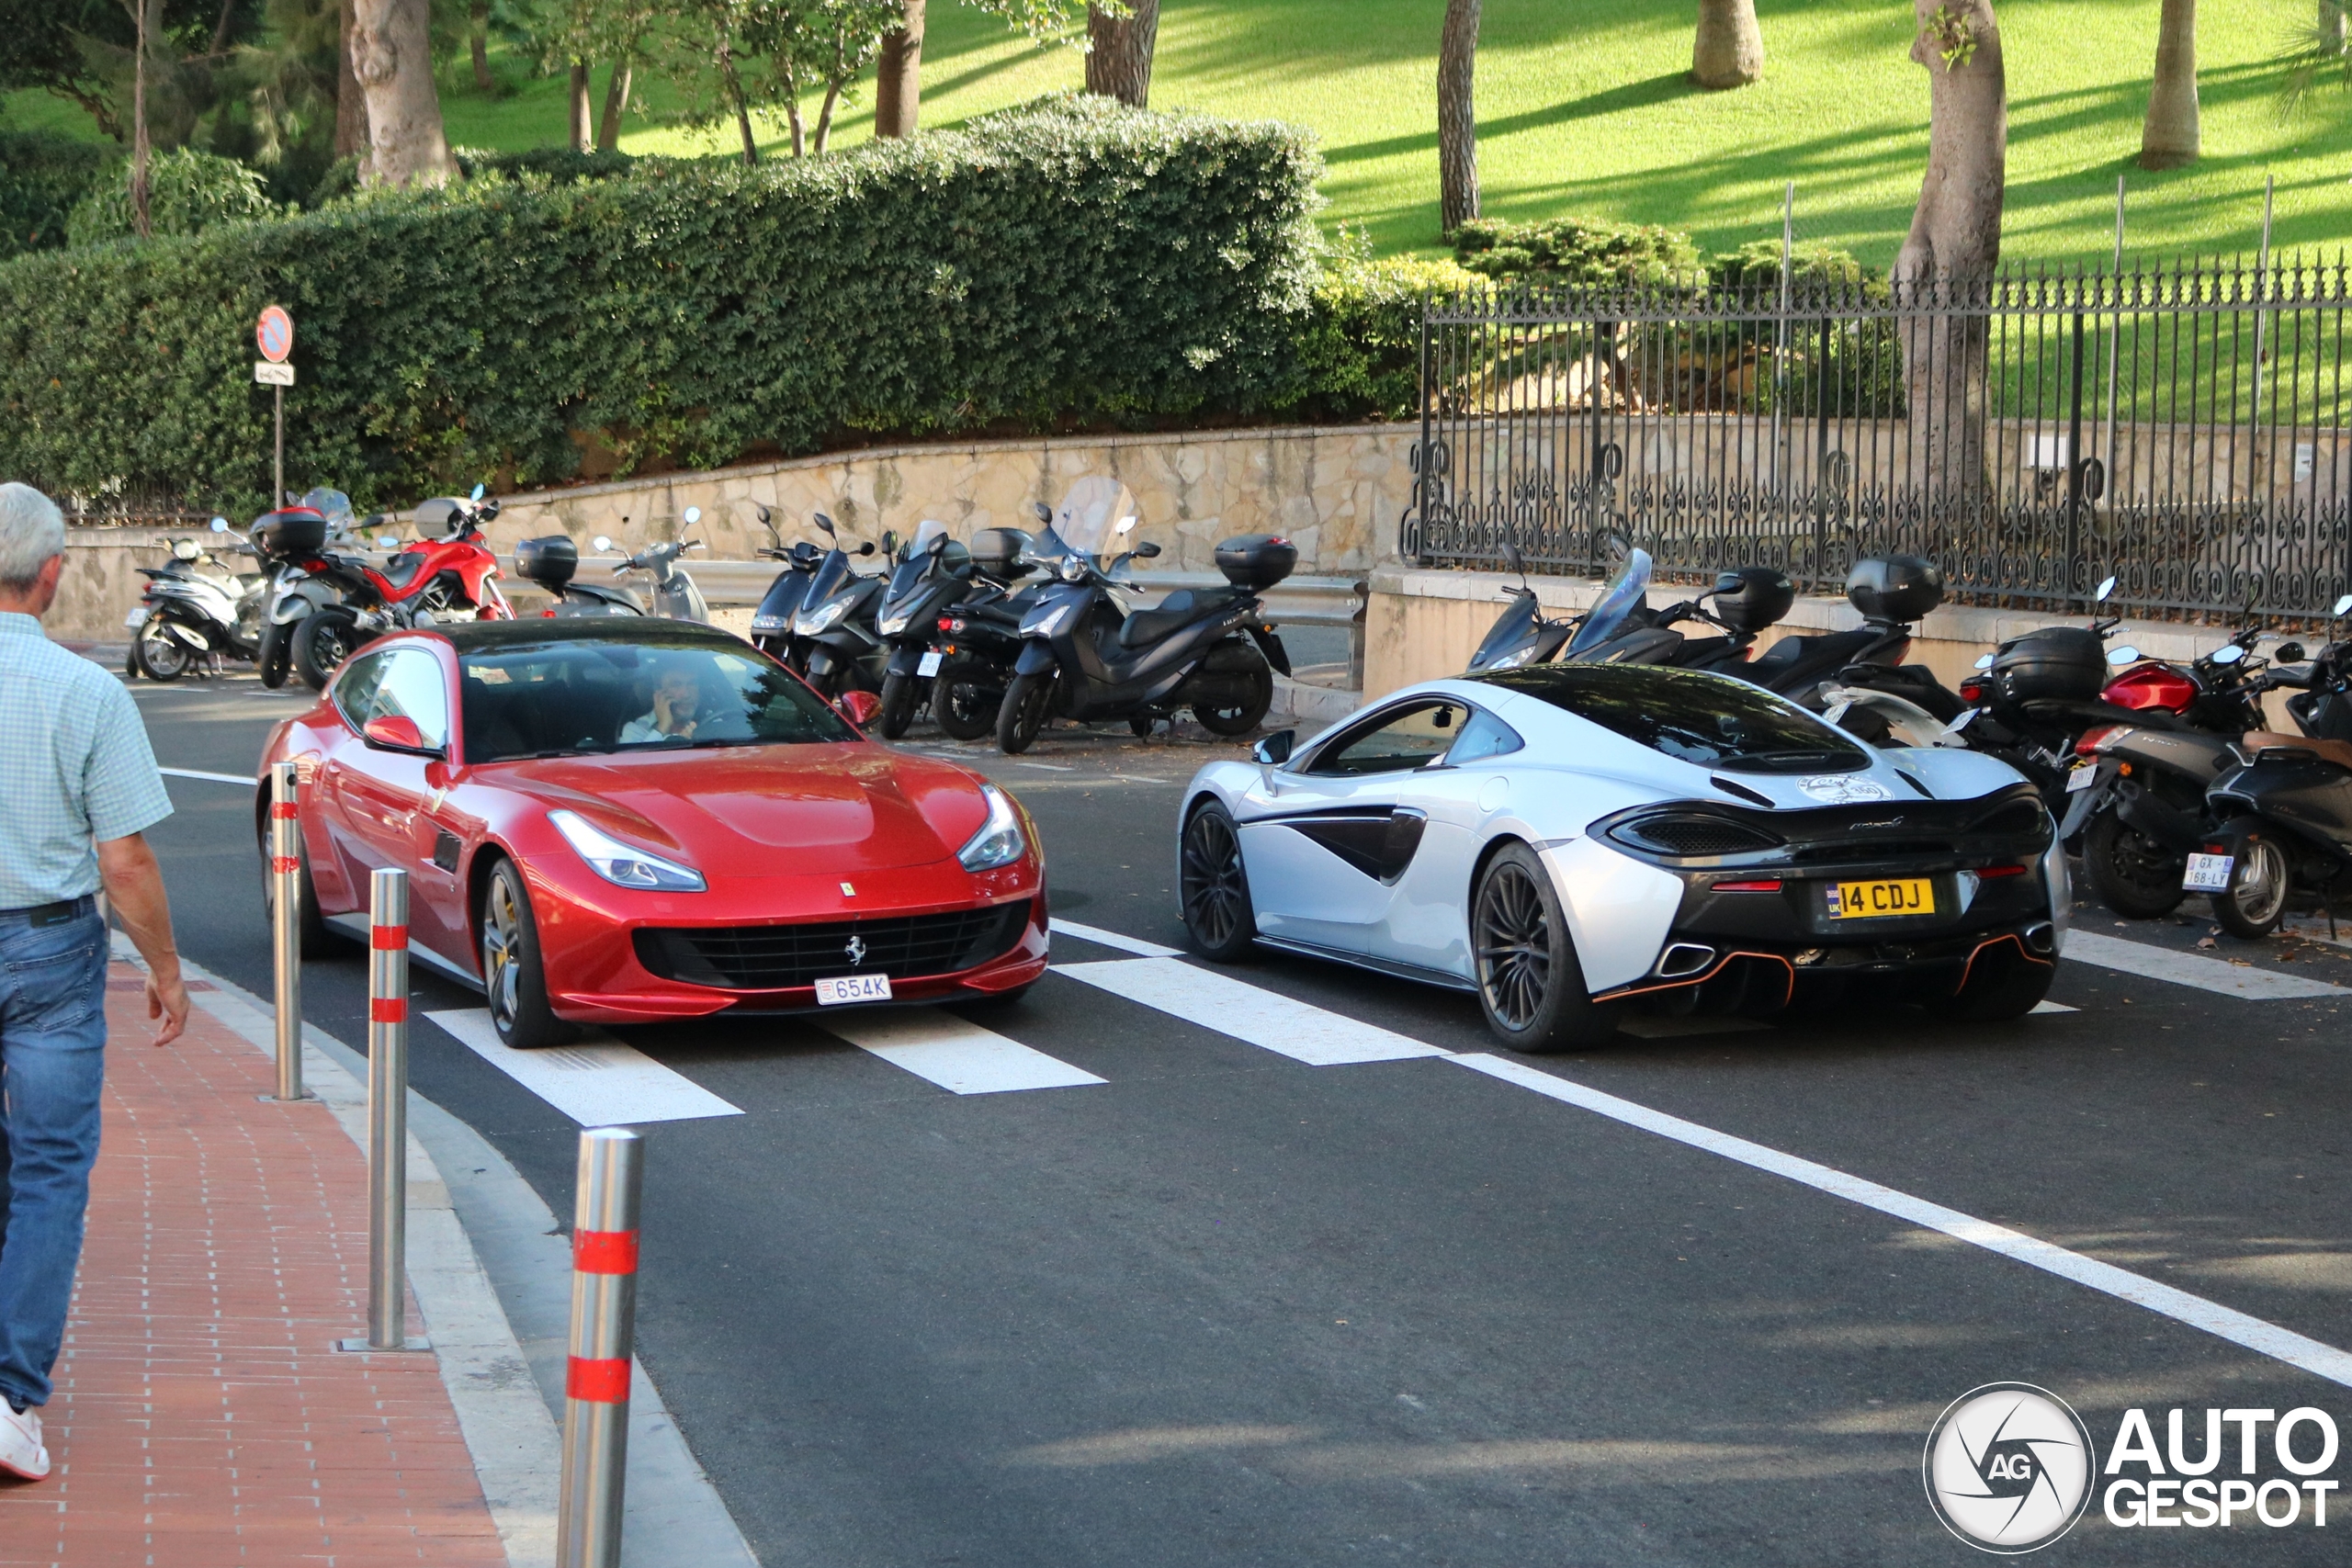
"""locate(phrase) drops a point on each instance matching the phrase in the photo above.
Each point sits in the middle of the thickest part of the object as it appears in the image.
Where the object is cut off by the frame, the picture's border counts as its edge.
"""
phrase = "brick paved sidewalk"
(202, 1417)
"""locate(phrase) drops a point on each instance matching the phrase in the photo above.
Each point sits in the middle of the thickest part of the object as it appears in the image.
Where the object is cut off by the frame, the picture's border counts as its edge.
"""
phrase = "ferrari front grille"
(1692, 833)
(781, 957)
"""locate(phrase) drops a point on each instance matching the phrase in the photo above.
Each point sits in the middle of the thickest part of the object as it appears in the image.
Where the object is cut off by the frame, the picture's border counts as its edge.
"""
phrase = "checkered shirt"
(74, 768)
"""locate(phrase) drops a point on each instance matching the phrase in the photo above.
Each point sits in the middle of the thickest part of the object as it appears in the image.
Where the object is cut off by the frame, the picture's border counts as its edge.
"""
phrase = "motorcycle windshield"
(331, 504)
(1514, 626)
(1092, 519)
(831, 575)
(906, 583)
(929, 528)
(1627, 591)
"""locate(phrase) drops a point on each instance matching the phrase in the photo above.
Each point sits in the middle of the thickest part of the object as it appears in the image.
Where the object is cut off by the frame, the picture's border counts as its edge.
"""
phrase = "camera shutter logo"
(2008, 1467)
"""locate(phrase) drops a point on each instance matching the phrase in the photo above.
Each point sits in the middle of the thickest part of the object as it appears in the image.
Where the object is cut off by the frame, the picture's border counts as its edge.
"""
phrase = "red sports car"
(618, 822)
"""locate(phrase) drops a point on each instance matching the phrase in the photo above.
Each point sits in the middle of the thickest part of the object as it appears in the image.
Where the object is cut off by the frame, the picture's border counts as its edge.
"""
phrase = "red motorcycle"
(451, 577)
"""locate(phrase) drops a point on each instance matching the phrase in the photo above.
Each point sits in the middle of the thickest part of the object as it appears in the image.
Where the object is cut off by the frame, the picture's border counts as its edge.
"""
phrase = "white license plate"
(2081, 779)
(2207, 873)
(930, 665)
(835, 990)
(138, 613)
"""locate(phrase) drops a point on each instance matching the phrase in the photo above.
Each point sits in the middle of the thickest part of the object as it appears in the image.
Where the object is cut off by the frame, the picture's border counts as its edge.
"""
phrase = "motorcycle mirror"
(889, 542)
(694, 515)
(1513, 559)
(387, 541)
(1147, 550)
(867, 549)
(1616, 546)
(220, 524)
(185, 549)
(2227, 653)
(1125, 523)
(2289, 653)
(1986, 662)
(2104, 589)
(1045, 514)
(2344, 606)
(2121, 654)
(821, 521)
(476, 493)
(602, 542)
(938, 545)
(1275, 749)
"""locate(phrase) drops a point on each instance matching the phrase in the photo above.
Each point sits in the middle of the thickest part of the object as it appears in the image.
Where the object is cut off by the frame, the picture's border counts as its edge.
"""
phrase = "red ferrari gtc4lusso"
(619, 821)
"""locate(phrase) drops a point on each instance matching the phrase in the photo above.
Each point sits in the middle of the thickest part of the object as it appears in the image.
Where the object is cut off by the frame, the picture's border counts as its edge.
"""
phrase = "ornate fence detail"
(2184, 430)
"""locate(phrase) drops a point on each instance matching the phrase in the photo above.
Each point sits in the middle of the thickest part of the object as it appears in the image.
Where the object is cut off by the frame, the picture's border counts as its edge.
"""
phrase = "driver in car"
(682, 712)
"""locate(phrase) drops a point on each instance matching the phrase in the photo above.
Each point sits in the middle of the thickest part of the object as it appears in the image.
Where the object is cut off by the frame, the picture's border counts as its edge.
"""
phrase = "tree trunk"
(799, 127)
(897, 82)
(1730, 48)
(350, 103)
(582, 135)
(1952, 248)
(1457, 122)
(478, 40)
(825, 117)
(392, 54)
(138, 120)
(1118, 53)
(2331, 26)
(609, 130)
(2170, 139)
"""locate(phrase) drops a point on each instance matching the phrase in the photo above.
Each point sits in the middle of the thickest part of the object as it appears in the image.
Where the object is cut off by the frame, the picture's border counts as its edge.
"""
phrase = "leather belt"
(57, 914)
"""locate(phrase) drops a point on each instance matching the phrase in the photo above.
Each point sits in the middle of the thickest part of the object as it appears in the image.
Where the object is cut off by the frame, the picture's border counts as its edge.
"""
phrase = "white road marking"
(961, 1057)
(597, 1084)
(2224, 1323)
(1101, 938)
(1049, 767)
(2054, 1007)
(2154, 963)
(1297, 1030)
(208, 778)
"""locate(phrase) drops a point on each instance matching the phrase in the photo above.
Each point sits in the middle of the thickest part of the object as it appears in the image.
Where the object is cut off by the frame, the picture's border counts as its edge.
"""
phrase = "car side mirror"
(1275, 749)
(398, 732)
(1147, 550)
(861, 708)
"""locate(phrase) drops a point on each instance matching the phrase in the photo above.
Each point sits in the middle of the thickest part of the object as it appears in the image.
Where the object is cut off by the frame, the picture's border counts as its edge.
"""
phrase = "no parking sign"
(275, 334)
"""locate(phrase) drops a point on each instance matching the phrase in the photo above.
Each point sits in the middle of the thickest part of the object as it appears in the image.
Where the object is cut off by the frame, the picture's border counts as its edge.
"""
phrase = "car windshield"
(1712, 720)
(567, 698)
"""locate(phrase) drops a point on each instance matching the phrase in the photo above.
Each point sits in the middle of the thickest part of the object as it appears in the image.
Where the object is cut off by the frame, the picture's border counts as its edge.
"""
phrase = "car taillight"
(1990, 872)
(1769, 884)
(2095, 742)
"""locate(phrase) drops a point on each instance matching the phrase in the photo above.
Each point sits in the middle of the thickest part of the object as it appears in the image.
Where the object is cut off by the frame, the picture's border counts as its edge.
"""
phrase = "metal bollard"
(286, 922)
(388, 1113)
(604, 1324)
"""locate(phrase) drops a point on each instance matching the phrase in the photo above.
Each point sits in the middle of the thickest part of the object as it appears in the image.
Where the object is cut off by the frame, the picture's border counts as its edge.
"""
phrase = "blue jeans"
(53, 1062)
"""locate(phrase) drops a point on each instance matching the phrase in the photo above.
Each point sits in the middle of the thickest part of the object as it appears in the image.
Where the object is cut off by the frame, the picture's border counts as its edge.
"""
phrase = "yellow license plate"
(1882, 900)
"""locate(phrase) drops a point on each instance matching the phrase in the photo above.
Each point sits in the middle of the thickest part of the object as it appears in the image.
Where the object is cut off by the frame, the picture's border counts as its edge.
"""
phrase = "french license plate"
(2207, 873)
(138, 613)
(2081, 779)
(1882, 900)
(835, 990)
(930, 665)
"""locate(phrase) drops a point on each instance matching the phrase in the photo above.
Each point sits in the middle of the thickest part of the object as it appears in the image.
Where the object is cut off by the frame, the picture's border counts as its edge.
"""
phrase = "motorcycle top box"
(296, 531)
(1256, 561)
(1895, 588)
(997, 552)
(551, 561)
(2065, 663)
(1752, 598)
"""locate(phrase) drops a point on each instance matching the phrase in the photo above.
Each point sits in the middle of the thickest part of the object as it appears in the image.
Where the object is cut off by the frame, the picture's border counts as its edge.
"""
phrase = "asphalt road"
(1224, 1307)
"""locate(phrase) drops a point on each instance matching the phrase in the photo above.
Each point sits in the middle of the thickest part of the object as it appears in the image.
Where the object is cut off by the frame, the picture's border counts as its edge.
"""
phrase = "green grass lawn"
(1584, 109)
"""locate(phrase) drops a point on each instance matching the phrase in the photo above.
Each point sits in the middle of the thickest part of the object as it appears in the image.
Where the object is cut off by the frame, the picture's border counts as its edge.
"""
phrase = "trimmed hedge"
(1576, 250)
(1074, 259)
(42, 175)
(1360, 351)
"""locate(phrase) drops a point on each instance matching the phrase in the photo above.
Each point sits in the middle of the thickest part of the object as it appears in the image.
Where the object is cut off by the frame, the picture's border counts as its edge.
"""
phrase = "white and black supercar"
(1570, 840)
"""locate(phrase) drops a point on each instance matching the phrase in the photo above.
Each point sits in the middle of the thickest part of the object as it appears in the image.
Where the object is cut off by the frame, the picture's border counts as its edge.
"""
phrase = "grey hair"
(32, 534)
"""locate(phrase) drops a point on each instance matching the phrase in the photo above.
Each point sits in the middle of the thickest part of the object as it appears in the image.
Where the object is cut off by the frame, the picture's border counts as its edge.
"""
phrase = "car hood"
(769, 810)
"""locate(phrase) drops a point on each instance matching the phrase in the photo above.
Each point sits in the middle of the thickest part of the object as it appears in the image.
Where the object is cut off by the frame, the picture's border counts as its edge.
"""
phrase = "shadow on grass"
(1616, 100)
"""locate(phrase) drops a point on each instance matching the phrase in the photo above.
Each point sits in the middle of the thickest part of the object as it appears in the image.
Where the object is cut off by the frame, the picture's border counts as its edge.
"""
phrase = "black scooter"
(978, 638)
(772, 621)
(932, 573)
(1086, 658)
(836, 645)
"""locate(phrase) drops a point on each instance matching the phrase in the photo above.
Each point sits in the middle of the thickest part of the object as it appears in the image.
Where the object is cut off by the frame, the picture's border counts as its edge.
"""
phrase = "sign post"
(273, 334)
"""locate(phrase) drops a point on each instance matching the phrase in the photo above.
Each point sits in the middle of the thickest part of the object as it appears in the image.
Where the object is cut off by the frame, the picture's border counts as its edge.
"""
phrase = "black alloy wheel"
(161, 656)
(1531, 986)
(322, 641)
(512, 974)
(964, 696)
(1026, 703)
(1241, 717)
(2133, 874)
(901, 697)
(274, 658)
(2261, 877)
(1215, 886)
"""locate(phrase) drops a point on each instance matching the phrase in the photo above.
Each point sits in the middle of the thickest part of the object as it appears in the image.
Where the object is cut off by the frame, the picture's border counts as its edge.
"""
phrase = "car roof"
(491, 636)
(1548, 680)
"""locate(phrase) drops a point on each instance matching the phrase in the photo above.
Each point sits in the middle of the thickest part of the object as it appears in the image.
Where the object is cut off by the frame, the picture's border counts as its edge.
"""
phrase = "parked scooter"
(837, 646)
(932, 573)
(978, 639)
(1087, 658)
(675, 595)
(186, 616)
(771, 621)
(294, 595)
(550, 564)
(1742, 603)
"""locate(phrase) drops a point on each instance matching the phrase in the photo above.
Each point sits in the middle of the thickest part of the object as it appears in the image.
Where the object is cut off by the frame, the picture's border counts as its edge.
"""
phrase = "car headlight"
(810, 622)
(624, 865)
(1045, 621)
(893, 625)
(1000, 841)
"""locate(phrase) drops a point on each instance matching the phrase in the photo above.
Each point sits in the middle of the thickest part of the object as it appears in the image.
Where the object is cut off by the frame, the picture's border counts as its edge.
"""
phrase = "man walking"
(78, 787)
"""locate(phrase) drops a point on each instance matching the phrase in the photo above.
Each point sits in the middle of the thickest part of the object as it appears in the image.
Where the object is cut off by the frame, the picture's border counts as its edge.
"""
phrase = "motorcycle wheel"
(1026, 703)
(1239, 718)
(2260, 880)
(900, 696)
(160, 655)
(965, 697)
(273, 660)
(2133, 874)
(322, 641)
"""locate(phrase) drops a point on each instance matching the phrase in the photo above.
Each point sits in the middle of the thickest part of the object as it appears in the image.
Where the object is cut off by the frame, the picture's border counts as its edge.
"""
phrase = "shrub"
(1757, 264)
(42, 175)
(1359, 352)
(188, 192)
(1573, 251)
(1076, 260)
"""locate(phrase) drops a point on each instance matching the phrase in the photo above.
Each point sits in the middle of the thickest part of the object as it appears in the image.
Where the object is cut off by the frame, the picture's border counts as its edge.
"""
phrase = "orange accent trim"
(1702, 979)
(2013, 940)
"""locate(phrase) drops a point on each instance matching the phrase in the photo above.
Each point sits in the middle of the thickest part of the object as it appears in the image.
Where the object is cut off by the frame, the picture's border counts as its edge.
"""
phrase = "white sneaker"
(21, 1452)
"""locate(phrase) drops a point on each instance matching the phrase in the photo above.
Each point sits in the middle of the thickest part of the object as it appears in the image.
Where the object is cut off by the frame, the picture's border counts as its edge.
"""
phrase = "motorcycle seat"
(1791, 652)
(2336, 751)
(402, 570)
(1178, 609)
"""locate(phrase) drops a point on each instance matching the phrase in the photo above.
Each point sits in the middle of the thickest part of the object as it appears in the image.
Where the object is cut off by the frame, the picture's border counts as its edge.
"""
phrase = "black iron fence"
(2184, 430)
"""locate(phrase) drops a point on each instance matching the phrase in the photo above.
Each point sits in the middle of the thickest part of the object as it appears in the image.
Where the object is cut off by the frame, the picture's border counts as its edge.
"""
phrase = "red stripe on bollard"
(284, 810)
(387, 1009)
(285, 866)
(604, 1252)
(599, 1380)
(388, 939)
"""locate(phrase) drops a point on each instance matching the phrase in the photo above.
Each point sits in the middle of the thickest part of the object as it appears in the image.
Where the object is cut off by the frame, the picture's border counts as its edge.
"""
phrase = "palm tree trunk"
(1457, 120)
(392, 55)
(2170, 139)
(609, 130)
(582, 135)
(1729, 52)
(478, 41)
(897, 81)
(1119, 51)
